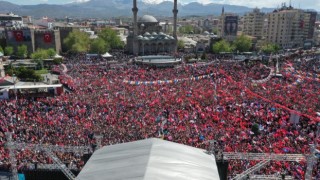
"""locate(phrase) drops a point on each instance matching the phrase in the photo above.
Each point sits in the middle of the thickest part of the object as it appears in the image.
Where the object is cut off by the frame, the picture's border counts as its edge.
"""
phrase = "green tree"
(99, 46)
(8, 51)
(221, 46)
(24, 73)
(51, 52)
(1, 50)
(22, 51)
(243, 43)
(110, 37)
(180, 44)
(270, 48)
(40, 54)
(77, 41)
(187, 29)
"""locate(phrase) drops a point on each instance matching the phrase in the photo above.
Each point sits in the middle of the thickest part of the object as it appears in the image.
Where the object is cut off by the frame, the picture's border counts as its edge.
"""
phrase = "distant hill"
(114, 8)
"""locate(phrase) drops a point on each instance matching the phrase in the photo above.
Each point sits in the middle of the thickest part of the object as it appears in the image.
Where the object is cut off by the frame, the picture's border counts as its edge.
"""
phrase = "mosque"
(146, 37)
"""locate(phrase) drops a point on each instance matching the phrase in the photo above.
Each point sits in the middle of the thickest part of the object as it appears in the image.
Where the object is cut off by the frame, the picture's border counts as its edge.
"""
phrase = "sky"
(305, 4)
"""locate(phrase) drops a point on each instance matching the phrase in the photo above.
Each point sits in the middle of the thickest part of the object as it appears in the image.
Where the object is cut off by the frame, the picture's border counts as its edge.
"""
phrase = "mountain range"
(116, 8)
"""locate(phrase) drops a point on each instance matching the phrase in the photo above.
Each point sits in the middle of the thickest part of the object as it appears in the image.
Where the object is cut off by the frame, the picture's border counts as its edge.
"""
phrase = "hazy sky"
(306, 4)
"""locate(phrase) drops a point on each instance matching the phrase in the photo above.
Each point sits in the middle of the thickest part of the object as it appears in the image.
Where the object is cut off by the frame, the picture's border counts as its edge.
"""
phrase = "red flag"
(18, 35)
(47, 38)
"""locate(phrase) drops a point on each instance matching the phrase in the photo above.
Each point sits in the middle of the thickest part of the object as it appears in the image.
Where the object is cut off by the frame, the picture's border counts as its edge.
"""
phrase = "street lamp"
(14, 85)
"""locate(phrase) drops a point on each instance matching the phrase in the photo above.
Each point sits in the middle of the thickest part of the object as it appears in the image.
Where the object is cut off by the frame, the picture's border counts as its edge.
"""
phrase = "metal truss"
(269, 177)
(263, 156)
(41, 147)
(60, 165)
(251, 170)
(48, 149)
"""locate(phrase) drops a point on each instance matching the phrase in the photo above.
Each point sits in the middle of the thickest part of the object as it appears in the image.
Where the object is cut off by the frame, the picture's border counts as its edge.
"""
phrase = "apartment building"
(253, 24)
(289, 27)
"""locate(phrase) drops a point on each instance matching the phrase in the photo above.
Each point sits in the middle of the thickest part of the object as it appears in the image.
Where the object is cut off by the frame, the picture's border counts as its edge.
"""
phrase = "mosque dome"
(148, 19)
(147, 34)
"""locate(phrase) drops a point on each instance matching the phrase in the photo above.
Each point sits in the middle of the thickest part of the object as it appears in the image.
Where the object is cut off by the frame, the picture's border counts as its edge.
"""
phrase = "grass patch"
(42, 71)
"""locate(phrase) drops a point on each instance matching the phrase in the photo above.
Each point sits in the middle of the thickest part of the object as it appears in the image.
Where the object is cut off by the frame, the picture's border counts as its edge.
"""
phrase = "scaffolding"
(48, 149)
(60, 165)
(251, 170)
(270, 177)
(12, 157)
(263, 156)
(64, 149)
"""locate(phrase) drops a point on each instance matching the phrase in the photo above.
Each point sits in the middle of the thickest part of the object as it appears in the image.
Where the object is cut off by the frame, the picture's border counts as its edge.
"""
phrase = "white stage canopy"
(106, 55)
(150, 159)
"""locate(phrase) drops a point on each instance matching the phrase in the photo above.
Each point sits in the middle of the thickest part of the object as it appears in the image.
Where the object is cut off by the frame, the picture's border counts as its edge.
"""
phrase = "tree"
(1, 50)
(221, 46)
(187, 29)
(22, 51)
(77, 41)
(270, 48)
(8, 51)
(40, 54)
(24, 73)
(243, 43)
(51, 52)
(99, 46)
(110, 37)
(181, 44)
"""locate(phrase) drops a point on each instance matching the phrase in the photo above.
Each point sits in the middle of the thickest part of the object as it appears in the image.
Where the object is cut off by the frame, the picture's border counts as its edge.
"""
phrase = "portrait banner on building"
(47, 38)
(231, 25)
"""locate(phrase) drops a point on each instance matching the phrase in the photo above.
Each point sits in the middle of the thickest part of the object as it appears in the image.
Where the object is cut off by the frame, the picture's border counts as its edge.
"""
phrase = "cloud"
(81, 1)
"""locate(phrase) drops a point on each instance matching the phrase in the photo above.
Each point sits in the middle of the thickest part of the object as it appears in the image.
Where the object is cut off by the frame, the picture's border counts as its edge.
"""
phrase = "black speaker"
(223, 169)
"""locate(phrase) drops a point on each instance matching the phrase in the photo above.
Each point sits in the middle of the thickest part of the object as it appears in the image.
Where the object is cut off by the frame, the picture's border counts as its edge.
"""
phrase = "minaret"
(135, 44)
(175, 14)
(222, 19)
(135, 18)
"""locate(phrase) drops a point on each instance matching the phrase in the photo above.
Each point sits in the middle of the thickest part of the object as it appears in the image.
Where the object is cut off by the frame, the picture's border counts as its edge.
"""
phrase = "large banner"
(19, 35)
(231, 25)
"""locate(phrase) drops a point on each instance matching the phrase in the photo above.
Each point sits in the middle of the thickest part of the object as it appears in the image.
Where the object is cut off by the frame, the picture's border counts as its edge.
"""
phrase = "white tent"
(106, 55)
(153, 159)
(1, 54)
(57, 56)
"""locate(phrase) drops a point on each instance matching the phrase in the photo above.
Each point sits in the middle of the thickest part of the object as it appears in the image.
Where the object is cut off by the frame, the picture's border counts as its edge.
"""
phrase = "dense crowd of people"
(227, 107)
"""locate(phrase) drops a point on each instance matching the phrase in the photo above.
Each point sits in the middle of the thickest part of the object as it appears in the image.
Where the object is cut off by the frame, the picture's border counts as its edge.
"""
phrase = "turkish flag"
(18, 35)
(47, 38)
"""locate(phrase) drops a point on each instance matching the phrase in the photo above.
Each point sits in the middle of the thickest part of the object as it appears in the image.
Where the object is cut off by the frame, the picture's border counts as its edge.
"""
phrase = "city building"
(146, 36)
(33, 38)
(289, 27)
(309, 24)
(228, 27)
(253, 24)
(11, 20)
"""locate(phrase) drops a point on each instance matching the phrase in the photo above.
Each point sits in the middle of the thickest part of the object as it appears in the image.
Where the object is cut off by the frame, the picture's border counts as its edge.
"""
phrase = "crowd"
(227, 107)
